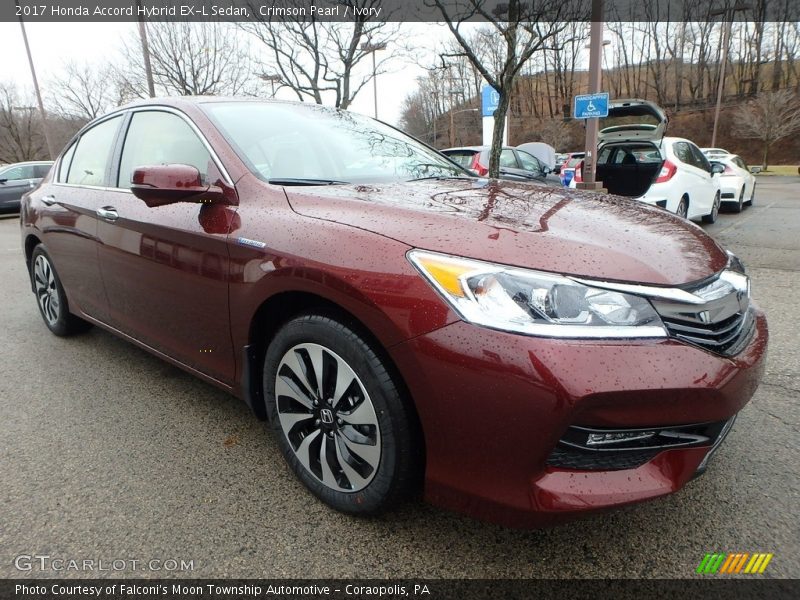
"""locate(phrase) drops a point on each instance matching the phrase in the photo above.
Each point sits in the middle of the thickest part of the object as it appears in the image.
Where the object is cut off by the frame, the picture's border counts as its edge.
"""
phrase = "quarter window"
(160, 138)
(91, 157)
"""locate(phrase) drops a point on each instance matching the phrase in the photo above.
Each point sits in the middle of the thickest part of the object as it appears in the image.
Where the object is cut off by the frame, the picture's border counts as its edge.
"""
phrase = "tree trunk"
(765, 157)
(497, 134)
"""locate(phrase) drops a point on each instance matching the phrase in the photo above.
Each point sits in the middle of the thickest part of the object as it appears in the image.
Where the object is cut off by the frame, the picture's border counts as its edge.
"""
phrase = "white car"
(714, 152)
(736, 184)
(634, 159)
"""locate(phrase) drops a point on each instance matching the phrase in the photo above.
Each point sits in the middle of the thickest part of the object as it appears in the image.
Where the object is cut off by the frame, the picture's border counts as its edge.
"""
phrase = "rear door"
(68, 211)
(692, 178)
(166, 268)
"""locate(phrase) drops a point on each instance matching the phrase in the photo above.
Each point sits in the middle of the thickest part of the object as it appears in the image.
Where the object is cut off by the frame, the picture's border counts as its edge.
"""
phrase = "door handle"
(48, 200)
(109, 213)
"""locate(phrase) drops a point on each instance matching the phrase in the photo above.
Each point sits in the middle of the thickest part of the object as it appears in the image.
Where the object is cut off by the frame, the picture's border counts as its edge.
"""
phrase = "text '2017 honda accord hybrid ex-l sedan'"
(521, 353)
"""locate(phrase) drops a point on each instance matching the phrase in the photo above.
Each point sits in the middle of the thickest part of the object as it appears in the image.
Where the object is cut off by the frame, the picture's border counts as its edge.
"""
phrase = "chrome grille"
(724, 337)
(718, 318)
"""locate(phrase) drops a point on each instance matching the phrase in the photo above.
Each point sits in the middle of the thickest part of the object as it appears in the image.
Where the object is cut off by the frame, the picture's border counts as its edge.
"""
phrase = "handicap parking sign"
(490, 99)
(589, 106)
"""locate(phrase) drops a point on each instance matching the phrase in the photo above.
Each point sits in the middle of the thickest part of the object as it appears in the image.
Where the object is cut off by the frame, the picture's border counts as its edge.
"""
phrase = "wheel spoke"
(363, 414)
(344, 379)
(315, 355)
(284, 386)
(302, 450)
(356, 481)
(289, 420)
(327, 475)
(292, 360)
(370, 454)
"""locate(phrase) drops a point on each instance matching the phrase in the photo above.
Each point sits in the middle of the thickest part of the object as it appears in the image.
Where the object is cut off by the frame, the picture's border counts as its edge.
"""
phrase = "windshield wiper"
(442, 177)
(300, 181)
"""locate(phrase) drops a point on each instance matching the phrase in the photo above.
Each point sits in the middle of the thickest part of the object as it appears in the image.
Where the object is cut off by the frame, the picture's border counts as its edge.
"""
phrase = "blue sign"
(589, 106)
(490, 99)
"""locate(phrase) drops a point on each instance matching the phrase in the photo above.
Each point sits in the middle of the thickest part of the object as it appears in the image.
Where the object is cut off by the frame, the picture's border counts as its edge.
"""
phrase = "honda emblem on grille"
(704, 316)
(326, 415)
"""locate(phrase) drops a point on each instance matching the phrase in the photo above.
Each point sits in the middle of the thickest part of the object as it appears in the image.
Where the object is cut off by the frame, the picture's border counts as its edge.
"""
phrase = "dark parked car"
(527, 353)
(17, 179)
(515, 164)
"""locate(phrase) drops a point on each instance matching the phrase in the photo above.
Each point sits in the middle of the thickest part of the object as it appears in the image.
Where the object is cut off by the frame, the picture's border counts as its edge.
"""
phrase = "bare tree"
(316, 59)
(188, 59)
(84, 91)
(20, 128)
(555, 132)
(524, 28)
(769, 117)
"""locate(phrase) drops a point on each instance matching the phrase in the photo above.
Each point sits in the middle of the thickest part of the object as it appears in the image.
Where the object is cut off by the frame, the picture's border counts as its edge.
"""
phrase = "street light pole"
(595, 86)
(373, 48)
(45, 128)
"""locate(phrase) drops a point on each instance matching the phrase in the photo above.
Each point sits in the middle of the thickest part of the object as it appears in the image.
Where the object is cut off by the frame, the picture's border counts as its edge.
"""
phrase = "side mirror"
(546, 171)
(717, 168)
(3, 181)
(158, 185)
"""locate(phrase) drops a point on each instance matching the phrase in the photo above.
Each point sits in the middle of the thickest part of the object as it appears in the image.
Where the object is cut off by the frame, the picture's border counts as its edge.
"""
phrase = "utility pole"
(373, 48)
(595, 86)
(727, 14)
(45, 128)
(148, 69)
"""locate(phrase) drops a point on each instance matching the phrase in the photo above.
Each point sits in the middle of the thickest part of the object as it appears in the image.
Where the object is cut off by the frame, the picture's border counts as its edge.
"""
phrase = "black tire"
(712, 216)
(50, 296)
(392, 424)
(683, 207)
(737, 208)
(752, 196)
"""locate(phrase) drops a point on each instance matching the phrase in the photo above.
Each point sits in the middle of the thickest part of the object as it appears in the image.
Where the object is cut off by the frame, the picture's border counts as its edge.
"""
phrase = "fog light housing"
(617, 437)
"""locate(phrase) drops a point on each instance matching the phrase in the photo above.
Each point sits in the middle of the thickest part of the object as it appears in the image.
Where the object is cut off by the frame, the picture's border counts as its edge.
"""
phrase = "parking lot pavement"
(108, 453)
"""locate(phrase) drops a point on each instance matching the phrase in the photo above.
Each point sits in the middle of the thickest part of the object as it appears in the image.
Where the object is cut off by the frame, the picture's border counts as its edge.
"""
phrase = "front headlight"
(535, 303)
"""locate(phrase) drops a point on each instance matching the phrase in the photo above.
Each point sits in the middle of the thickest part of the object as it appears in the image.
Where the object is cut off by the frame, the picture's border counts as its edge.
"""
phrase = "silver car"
(18, 178)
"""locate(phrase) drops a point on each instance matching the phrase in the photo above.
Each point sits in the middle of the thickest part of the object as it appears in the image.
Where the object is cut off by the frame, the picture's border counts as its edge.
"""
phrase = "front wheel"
(340, 419)
(752, 196)
(712, 216)
(740, 203)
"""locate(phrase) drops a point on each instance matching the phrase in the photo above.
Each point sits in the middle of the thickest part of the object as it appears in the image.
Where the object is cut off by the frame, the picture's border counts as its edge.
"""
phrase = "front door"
(166, 269)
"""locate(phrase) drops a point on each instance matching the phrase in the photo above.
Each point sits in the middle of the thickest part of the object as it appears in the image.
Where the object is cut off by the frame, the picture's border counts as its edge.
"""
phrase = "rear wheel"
(50, 296)
(740, 204)
(683, 207)
(341, 422)
(712, 216)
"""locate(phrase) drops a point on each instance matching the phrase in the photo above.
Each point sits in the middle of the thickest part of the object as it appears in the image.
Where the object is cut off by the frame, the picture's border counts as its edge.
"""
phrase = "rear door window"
(507, 159)
(18, 172)
(700, 159)
(93, 153)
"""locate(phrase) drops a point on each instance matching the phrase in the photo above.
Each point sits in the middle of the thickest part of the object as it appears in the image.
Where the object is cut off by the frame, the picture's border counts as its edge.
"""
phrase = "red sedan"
(523, 353)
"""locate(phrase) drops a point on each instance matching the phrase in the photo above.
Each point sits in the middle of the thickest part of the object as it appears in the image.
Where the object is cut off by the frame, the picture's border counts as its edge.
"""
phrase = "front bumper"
(494, 405)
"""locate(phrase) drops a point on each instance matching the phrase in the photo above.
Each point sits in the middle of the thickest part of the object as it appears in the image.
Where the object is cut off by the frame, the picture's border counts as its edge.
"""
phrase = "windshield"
(295, 144)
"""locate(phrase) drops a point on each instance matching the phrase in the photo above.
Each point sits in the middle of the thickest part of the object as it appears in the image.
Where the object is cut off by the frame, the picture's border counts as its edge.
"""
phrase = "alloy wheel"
(46, 290)
(327, 417)
(715, 207)
(683, 208)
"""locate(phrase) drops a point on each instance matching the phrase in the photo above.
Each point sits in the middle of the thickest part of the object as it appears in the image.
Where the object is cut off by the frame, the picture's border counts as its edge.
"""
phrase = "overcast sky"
(54, 43)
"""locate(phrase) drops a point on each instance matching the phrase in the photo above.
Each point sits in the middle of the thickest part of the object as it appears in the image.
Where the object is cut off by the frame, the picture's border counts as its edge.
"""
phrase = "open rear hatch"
(633, 120)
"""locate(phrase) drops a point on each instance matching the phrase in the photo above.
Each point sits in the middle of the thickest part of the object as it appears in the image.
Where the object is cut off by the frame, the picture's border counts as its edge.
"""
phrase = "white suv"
(635, 160)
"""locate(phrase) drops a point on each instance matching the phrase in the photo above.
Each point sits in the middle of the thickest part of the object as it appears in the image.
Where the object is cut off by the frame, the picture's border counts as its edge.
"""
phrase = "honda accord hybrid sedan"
(522, 354)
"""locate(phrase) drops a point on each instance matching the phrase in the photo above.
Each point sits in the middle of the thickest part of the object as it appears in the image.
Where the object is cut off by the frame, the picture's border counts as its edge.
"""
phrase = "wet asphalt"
(107, 453)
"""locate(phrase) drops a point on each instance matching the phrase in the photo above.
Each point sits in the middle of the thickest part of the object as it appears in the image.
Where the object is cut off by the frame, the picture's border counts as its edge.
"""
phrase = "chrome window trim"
(144, 108)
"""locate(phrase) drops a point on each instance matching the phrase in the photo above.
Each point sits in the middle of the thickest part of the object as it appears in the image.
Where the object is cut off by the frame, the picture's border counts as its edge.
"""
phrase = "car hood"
(577, 233)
